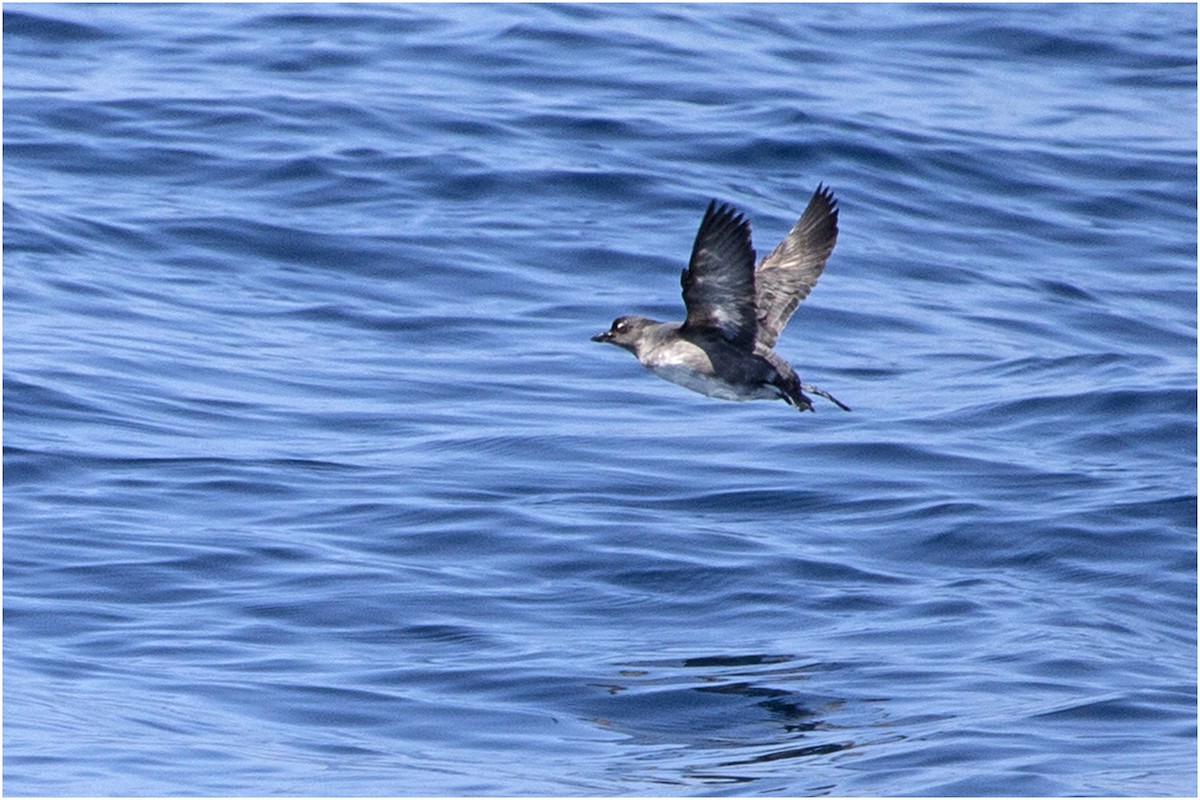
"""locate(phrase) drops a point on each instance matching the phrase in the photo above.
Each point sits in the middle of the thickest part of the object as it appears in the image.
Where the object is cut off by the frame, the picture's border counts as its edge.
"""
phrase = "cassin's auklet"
(735, 310)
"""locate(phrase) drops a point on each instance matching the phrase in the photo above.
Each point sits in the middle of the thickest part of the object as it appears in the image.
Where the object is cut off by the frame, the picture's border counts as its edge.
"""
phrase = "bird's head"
(625, 332)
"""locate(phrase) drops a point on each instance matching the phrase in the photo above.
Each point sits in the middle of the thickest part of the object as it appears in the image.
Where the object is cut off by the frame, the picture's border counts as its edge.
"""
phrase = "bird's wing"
(787, 275)
(718, 285)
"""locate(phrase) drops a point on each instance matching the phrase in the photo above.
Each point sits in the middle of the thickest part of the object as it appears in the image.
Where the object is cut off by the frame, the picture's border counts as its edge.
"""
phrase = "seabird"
(736, 309)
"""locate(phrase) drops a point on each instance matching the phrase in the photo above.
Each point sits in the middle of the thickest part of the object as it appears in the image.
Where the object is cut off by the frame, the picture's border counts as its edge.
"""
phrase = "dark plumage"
(736, 310)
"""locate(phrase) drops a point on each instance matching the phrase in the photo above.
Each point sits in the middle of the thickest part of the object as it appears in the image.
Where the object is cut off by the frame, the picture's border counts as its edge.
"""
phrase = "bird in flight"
(737, 309)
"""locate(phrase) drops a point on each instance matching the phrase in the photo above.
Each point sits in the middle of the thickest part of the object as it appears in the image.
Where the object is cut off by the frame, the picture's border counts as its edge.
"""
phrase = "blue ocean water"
(314, 484)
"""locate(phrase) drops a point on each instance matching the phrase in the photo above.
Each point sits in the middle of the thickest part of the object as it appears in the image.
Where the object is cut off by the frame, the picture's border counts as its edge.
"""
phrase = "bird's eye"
(621, 327)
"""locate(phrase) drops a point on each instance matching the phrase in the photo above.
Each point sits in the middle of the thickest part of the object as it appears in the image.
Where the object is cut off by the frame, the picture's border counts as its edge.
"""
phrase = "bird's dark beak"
(603, 337)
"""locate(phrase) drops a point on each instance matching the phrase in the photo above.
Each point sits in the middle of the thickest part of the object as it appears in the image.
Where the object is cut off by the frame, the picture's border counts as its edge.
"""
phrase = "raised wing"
(785, 277)
(718, 285)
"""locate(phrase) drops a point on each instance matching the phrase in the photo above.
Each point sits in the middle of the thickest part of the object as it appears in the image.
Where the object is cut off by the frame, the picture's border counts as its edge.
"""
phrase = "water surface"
(315, 485)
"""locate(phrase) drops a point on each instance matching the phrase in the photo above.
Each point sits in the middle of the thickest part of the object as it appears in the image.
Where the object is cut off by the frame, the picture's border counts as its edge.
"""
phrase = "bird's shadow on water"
(719, 719)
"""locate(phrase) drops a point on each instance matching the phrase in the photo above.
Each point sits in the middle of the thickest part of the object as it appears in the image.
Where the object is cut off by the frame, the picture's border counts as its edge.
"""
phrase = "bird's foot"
(798, 399)
(822, 393)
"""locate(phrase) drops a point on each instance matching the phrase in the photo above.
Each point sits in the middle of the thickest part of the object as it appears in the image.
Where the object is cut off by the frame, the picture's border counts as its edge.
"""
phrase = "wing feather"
(788, 274)
(718, 285)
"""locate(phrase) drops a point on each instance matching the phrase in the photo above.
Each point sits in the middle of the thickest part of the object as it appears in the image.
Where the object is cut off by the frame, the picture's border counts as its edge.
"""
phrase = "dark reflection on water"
(724, 711)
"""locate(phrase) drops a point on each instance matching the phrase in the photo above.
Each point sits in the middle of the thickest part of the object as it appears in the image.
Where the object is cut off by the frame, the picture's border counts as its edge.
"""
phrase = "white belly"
(711, 387)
